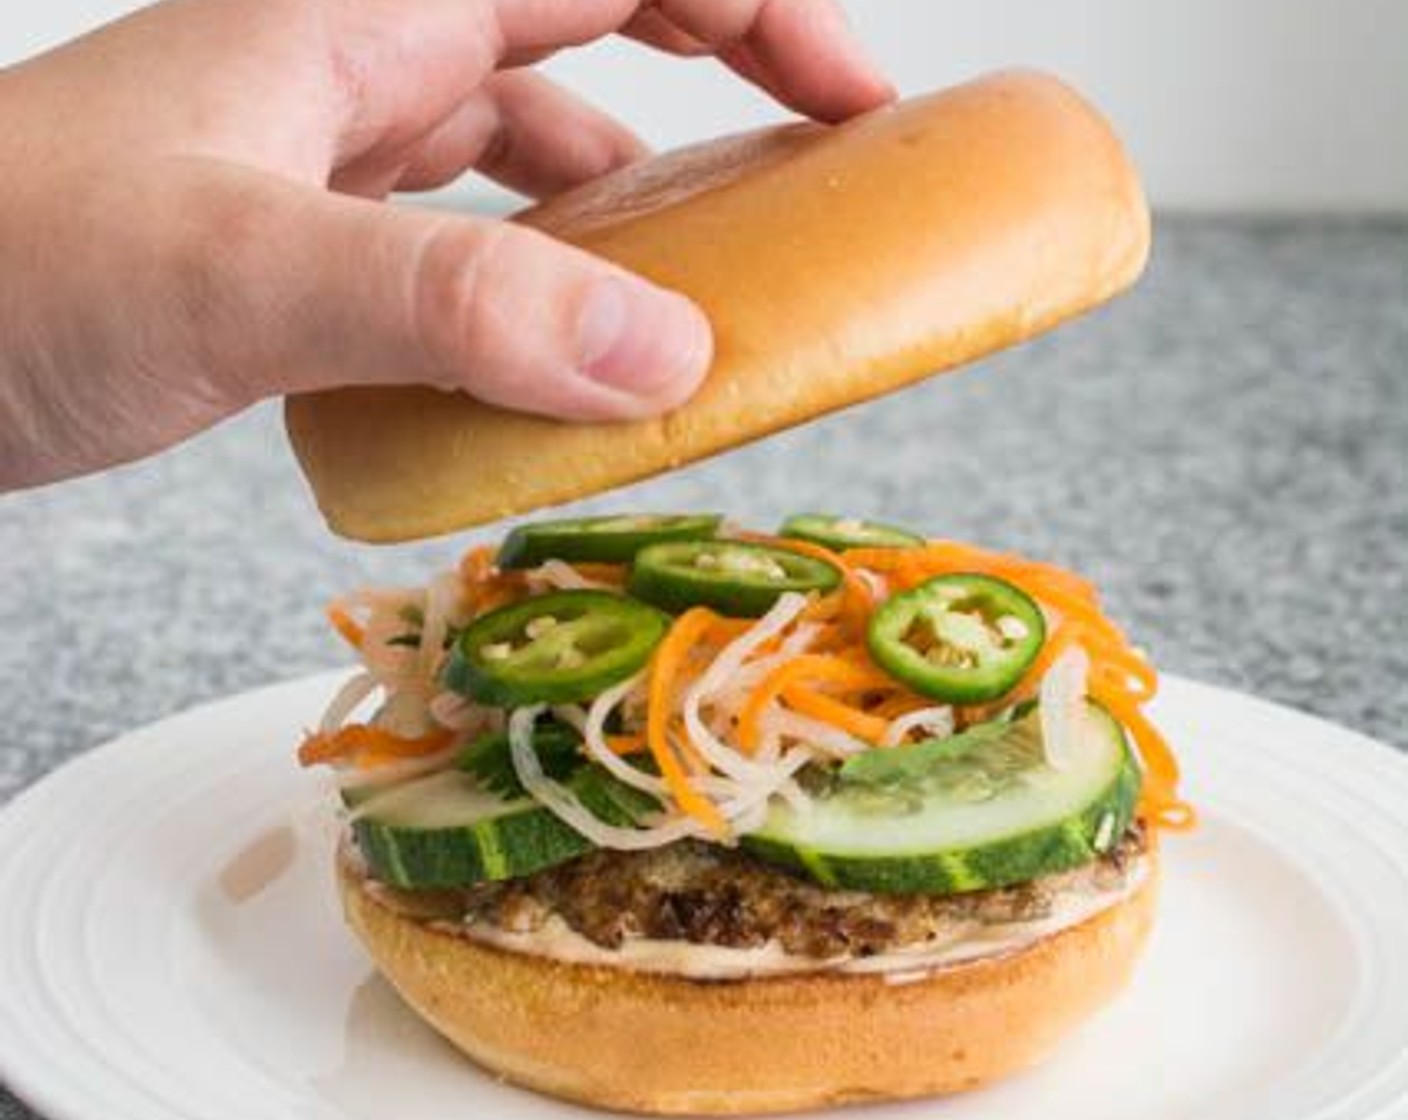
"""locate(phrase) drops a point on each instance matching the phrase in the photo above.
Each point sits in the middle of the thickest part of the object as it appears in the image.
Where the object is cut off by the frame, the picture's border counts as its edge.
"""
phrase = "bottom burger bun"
(658, 1043)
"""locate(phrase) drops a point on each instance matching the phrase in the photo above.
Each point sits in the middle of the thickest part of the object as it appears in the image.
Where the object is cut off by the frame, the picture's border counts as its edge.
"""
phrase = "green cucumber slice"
(446, 830)
(987, 813)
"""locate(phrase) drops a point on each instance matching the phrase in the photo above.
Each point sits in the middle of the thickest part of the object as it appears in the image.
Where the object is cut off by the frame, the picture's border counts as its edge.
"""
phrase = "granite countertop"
(1225, 452)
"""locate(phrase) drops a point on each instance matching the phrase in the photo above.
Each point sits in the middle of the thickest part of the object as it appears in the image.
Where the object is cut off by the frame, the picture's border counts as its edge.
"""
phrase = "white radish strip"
(758, 797)
(407, 714)
(731, 658)
(562, 576)
(793, 794)
(821, 737)
(730, 699)
(347, 700)
(441, 601)
(726, 665)
(564, 804)
(876, 584)
(594, 740)
(573, 715)
(394, 772)
(1062, 707)
(937, 722)
(450, 709)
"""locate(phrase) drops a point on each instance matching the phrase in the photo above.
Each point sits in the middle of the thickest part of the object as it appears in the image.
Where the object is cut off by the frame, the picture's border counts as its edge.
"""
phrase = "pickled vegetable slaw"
(725, 712)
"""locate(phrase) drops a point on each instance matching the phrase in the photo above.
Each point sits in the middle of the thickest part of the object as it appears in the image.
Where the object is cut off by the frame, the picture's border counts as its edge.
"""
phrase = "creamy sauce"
(974, 941)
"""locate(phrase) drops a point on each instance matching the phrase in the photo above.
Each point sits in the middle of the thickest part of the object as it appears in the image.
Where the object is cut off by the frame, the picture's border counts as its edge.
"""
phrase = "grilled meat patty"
(710, 895)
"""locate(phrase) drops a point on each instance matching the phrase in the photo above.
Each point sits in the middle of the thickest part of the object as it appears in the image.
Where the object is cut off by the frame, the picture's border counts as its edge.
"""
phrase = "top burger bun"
(835, 263)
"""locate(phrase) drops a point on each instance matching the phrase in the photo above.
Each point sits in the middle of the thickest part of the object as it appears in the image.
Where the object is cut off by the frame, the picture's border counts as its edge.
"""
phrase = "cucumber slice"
(446, 830)
(988, 813)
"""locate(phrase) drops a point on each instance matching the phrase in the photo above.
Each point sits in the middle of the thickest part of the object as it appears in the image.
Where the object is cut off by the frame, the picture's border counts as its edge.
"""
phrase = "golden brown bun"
(835, 264)
(646, 1042)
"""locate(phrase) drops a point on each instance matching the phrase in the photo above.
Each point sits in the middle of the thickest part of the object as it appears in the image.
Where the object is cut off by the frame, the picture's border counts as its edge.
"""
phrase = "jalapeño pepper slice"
(553, 649)
(841, 533)
(732, 577)
(604, 540)
(962, 638)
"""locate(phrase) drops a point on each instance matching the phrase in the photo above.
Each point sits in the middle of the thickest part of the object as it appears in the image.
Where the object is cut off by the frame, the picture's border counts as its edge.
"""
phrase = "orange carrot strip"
(1123, 664)
(669, 658)
(892, 707)
(858, 601)
(820, 667)
(347, 626)
(824, 608)
(361, 738)
(913, 565)
(829, 710)
(625, 744)
(1160, 765)
(477, 564)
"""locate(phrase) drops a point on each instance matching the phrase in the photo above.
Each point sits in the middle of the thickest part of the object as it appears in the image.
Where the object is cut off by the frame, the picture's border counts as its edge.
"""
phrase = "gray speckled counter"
(1225, 451)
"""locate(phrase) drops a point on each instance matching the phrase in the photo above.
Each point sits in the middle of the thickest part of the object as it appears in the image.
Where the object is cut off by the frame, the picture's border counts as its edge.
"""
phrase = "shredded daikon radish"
(349, 697)
(725, 666)
(394, 772)
(821, 737)
(594, 740)
(573, 715)
(562, 576)
(794, 795)
(731, 658)
(876, 584)
(564, 804)
(406, 714)
(731, 697)
(450, 709)
(758, 797)
(936, 722)
(442, 599)
(1062, 707)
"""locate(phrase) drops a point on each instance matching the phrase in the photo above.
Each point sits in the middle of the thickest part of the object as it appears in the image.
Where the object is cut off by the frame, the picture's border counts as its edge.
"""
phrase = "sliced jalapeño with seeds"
(962, 638)
(735, 578)
(560, 648)
(613, 539)
(841, 533)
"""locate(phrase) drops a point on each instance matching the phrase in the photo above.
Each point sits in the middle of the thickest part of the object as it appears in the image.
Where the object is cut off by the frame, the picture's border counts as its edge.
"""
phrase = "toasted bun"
(647, 1042)
(835, 264)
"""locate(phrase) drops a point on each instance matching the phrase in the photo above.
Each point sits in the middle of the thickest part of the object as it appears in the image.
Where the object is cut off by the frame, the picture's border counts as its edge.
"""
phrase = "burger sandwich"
(662, 814)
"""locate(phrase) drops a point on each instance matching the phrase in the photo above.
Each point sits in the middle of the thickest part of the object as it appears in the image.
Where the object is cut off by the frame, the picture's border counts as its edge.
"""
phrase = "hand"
(191, 220)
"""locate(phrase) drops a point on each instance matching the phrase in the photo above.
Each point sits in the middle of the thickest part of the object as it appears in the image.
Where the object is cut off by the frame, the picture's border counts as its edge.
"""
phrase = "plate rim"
(50, 1097)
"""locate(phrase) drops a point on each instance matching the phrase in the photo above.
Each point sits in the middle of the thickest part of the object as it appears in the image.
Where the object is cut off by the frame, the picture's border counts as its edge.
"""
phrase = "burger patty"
(709, 895)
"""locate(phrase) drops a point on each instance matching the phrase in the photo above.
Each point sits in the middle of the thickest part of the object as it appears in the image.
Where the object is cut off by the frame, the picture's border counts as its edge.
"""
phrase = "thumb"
(345, 291)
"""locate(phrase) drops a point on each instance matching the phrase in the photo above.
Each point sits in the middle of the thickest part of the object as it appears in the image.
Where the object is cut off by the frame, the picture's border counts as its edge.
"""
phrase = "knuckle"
(453, 306)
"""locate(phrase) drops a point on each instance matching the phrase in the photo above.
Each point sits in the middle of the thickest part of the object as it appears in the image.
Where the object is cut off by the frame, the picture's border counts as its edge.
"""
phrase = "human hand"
(192, 219)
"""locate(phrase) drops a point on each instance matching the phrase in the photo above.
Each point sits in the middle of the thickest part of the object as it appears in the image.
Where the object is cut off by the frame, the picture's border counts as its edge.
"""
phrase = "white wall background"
(1227, 104)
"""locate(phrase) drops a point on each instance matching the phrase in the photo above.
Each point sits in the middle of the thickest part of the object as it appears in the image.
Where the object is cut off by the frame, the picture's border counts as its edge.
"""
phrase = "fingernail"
(640, 339)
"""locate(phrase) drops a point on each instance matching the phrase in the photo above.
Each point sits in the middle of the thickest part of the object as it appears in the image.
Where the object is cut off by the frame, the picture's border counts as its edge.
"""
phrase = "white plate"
(170, 947)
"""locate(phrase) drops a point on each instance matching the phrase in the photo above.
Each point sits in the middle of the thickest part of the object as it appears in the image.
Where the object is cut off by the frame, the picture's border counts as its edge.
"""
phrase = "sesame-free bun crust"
(657, 1043)
(835, 263)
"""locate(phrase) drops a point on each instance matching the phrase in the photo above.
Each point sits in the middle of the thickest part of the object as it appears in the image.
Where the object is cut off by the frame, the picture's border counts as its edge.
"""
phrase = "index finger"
(800, 51)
